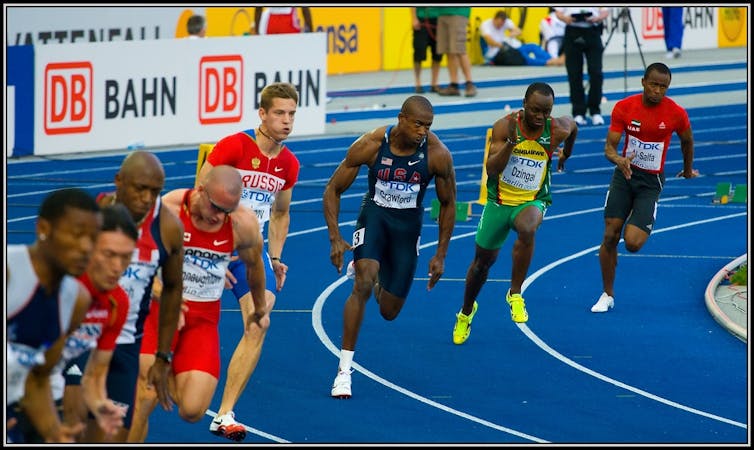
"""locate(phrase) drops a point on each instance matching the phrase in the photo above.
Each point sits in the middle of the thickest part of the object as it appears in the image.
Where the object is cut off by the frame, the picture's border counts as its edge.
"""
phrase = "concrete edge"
(714, 309)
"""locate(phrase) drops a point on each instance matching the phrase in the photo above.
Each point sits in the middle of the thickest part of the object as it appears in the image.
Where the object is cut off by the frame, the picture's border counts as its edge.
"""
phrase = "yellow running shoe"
(518, 307)
(463, 325)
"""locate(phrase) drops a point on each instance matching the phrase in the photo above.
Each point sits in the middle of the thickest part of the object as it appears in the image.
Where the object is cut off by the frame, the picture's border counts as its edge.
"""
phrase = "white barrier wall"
(38, 25)
(645, 26)
(168, 92)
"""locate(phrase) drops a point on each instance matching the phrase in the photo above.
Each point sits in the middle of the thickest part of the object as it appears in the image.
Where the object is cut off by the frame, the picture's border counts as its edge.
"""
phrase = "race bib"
(396, 194)
(648, 154)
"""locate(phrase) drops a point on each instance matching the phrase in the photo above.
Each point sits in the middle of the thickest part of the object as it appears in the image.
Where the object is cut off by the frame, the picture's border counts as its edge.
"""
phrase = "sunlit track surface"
(656, 369)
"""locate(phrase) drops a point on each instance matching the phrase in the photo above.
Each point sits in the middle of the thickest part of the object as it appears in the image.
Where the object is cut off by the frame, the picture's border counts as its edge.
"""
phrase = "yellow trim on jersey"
(483, 187)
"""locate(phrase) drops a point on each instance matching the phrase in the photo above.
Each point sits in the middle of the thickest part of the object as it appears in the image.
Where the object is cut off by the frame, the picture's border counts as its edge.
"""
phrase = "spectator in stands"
(501, 48)
(196, 27)
(424, 25)
(672, 21)
(551, 33)
(280, 20)
(452, 26)
(583, 40)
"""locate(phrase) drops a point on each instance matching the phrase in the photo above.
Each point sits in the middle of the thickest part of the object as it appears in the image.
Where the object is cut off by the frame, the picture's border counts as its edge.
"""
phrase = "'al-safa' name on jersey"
(398, 182)
(527, 175)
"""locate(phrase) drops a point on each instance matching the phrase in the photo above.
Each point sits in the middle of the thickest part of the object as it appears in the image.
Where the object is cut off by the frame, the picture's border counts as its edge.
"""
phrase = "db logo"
(220, 89)
(652, 24)
(68, 98)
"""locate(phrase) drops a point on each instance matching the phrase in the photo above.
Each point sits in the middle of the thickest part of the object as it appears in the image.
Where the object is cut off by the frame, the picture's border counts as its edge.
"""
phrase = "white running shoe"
(604, 303)
(341, 387)
(227, 427)
(580, 120)
(597, 119)
(350, 271)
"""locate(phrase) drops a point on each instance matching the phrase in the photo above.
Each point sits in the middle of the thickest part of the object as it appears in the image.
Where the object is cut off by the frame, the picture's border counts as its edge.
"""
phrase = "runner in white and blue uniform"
(44, 304)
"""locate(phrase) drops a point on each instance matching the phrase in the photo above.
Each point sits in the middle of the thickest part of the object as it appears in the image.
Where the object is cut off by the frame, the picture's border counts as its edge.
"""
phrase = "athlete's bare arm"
(277, 232)
(249, 244)
(564, 130)
(171, 300)
(441, 165)
(502, 142)
(37, 401)
(363, 151)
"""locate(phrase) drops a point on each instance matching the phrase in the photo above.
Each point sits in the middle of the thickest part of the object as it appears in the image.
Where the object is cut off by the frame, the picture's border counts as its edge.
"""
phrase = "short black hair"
(54, 205)
(118, 218)
(541, 87)
(658, 67)
(415, 103)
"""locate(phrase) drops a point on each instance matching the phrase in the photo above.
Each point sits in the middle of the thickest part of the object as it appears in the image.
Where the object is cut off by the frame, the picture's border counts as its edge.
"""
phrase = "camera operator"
(583, 37)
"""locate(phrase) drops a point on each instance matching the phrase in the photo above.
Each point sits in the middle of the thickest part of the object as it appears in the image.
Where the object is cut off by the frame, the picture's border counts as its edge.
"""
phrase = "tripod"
(624, 16)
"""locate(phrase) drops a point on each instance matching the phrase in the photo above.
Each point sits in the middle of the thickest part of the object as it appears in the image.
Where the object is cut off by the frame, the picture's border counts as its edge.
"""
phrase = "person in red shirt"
(282, 20)
(269, 171)
(90, 348)
(648, 120)
(215, 226)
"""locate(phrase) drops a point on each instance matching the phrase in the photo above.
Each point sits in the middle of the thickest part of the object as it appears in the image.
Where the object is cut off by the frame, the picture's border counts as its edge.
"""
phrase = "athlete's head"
(277, 90)
(655, 81)
(217, 195)
(538, 102)
(277, 110)
(415, 120)
(114, 247)
(139, 182)
(67, 227)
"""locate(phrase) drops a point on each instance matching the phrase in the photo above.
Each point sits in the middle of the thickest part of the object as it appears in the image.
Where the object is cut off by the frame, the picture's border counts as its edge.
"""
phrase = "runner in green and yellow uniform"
(518, 194)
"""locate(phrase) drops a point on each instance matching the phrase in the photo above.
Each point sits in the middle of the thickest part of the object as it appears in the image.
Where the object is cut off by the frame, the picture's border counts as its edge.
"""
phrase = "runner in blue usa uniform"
(402, 160)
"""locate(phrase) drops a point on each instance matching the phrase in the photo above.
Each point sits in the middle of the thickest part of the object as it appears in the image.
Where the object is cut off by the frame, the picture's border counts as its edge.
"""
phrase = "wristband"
(274, 258)
(511, 141)
(167, 357)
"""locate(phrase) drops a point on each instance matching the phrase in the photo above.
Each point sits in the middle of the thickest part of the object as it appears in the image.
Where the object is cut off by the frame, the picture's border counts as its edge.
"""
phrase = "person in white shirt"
(504, 49)
(552, 31)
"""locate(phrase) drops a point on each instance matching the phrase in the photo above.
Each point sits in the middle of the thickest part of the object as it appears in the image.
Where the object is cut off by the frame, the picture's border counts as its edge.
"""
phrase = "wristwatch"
(167, 357)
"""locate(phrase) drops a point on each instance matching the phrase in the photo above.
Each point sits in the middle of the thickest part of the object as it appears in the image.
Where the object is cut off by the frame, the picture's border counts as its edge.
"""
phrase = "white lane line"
(327, 342)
